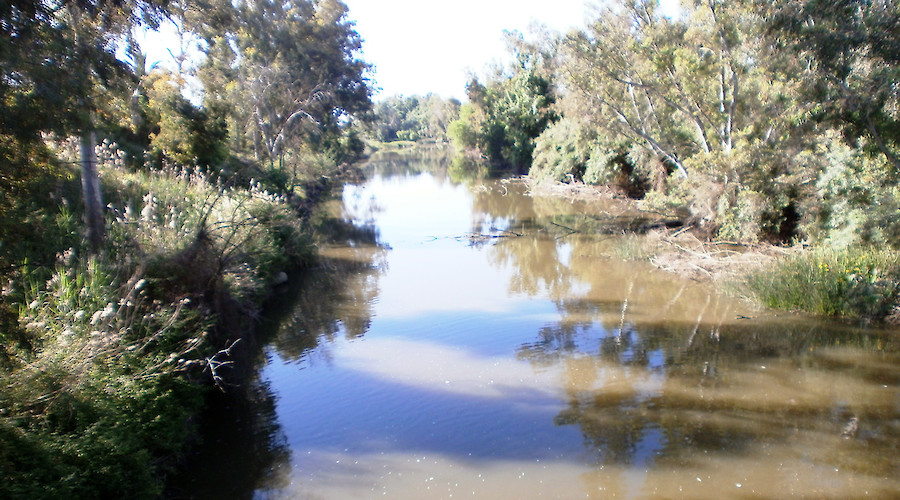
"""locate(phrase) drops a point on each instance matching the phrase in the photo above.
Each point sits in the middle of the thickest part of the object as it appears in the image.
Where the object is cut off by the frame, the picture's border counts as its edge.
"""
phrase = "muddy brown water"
(465, 340)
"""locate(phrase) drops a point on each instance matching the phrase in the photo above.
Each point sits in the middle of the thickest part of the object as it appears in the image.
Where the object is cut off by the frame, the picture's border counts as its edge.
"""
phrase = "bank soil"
(671, 247)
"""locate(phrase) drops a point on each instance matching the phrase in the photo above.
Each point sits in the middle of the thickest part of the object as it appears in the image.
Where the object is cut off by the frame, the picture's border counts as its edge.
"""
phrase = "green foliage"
(414, 118)
(504, 117)
(463, 131)
(752, 122)
(105, 352)
(35, 192)
(102, 374)
(567, 152)
(741, 218)
(288, 73)
(198, 235)
(852, 50)
(699, 114)
(858, 196)
(182, 133)
(99, 399)
(561, 154)
(855, 282)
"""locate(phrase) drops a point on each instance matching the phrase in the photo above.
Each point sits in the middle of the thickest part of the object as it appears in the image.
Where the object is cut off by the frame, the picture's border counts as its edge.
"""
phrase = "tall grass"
(112, 351)
(99, 405)
(854, 282)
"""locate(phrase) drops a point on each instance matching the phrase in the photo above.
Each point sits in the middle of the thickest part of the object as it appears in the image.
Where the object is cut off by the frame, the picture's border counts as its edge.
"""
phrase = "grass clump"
(857, 282)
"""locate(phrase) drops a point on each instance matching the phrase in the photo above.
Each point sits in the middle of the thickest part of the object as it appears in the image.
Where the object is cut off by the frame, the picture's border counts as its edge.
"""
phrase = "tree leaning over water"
(703, 96)
(752, 120)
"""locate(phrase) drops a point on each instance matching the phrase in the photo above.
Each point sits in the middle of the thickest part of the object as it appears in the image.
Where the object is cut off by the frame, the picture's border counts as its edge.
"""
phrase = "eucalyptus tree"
(852, 53)
(59, 69)
(702, 96)
(290, 73)
(505, 115)
(848, 54)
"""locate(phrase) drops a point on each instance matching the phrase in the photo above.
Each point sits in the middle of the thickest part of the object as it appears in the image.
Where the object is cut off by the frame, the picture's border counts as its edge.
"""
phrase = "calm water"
(468, 341)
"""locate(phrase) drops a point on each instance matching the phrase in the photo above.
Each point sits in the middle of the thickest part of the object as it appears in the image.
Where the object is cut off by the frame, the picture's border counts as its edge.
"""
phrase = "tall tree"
(54, 57)
(291, 73)
(703, 95)
(852, 50)
(505, 115)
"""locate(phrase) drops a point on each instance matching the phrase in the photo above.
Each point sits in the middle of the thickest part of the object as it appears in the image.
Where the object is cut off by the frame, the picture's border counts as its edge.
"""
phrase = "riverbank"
(107, 355)
(861, 283)
(666, 243)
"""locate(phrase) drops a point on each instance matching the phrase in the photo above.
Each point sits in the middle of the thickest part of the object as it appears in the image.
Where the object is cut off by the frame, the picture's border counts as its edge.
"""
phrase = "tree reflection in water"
(334, 297)
(676, 378)
(241, 427)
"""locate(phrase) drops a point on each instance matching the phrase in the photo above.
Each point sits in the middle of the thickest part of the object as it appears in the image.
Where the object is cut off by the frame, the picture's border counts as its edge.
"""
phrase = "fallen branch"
(213, 364)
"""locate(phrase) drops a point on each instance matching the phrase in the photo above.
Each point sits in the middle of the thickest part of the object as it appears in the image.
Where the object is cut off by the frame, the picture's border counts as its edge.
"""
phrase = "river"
(466, 340)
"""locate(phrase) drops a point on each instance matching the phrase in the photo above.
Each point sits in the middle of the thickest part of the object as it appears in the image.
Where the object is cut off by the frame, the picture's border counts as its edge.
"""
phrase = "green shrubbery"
(96, 396)
(854, 282)
(106, 357)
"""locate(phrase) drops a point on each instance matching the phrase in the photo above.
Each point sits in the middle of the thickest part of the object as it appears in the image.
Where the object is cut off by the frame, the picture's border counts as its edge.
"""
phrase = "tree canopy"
(755, 120)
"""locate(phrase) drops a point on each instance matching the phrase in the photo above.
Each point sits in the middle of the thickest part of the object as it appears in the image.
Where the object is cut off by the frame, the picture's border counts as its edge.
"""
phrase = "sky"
(420, 46)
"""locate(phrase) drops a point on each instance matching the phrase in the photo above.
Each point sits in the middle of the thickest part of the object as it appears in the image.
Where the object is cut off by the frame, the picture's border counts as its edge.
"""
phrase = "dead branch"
(214, 363)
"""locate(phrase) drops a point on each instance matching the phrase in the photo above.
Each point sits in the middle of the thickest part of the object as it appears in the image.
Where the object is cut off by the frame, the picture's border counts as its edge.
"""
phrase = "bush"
(100, 400)
(113, 352)
(858, 199)
(559, 155)
(854, 282)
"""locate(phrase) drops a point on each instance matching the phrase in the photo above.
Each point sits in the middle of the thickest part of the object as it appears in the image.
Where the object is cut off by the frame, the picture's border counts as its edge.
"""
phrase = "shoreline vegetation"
(144, 221)
(855, 283)
(107, 357)
(859, 282)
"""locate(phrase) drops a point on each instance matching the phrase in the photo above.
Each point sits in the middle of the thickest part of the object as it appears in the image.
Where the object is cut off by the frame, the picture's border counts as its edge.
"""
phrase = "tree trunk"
(90, 187)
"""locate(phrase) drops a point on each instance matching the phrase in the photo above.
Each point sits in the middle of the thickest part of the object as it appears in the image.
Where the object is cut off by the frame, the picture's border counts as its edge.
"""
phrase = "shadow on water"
(241, 445)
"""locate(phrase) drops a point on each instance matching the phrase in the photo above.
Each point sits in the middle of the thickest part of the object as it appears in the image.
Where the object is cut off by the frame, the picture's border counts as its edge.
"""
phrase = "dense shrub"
(106, 356)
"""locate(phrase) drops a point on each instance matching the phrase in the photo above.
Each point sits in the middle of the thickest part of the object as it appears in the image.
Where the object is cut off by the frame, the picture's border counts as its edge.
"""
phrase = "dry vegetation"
(677, 250)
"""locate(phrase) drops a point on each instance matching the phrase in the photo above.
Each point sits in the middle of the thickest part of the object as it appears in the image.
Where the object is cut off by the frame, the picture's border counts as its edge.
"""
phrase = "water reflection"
(239, 428)
(481, 342)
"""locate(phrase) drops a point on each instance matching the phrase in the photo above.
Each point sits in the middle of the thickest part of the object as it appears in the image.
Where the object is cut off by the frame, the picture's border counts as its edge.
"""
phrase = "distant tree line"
(413, 118)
